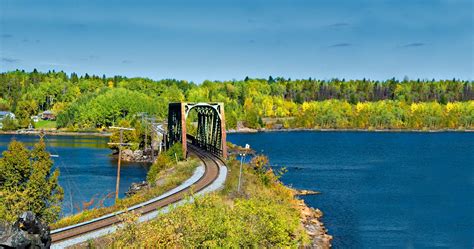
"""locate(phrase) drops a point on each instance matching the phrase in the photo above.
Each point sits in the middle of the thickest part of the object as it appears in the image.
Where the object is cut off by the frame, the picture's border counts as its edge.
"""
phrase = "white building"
(4, 114)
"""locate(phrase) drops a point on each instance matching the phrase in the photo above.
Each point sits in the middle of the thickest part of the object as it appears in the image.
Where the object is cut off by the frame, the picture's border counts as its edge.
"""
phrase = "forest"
(91, 102)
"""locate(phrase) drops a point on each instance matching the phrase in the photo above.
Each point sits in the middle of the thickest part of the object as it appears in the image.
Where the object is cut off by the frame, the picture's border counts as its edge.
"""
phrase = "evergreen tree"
(27, 183)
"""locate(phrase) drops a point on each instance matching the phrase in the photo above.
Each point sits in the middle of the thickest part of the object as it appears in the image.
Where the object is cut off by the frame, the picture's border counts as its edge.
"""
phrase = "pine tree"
(28, 184)
(43, 187)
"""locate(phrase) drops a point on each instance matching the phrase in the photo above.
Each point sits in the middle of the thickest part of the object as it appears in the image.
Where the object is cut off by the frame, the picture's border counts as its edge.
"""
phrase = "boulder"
(136, 187)
(138, 154)
(135, 156)
(127, 155)
(27, 232)
(306, 192)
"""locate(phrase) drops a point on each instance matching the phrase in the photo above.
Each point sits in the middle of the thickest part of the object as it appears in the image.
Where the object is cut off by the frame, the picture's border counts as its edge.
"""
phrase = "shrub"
(177, 149)
(9, 124)
(161, 163)
(212, 221)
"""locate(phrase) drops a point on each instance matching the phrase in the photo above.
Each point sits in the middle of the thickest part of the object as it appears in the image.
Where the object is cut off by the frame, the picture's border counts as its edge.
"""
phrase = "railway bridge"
(210, 134)
(209, 146)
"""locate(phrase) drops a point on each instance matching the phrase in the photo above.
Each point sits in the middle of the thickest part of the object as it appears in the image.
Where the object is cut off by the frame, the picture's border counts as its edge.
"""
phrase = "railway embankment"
(213, 178)
(262, 212)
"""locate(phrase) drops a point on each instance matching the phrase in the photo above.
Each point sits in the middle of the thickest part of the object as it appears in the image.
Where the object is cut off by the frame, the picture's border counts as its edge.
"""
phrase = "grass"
(172, 178)
(264, 214)
(45, 124)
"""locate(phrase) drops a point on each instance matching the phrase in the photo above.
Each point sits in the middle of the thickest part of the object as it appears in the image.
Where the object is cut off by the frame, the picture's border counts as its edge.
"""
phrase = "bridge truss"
(211, 132)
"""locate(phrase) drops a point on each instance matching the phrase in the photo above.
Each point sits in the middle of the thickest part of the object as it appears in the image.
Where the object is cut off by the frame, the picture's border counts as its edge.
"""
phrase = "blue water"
(86, 169)
(381, 190)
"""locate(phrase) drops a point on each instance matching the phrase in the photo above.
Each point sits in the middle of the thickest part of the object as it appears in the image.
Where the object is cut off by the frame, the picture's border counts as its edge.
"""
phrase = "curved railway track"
(211, 166)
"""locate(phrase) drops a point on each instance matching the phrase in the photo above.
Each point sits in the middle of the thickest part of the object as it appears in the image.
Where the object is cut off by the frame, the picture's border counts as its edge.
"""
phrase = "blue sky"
(224, 40)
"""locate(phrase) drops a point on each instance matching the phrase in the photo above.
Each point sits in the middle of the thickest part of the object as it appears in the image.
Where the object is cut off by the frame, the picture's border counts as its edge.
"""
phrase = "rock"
(136, 187)
(314, 221)
(26, 232)
(306, 212)
(136, 156)
(310, 219)
(127, 155)
(306, 192)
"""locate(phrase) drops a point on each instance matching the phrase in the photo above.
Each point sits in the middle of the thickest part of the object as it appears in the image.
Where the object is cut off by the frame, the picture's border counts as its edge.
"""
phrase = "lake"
(381, 189)
(86, 169)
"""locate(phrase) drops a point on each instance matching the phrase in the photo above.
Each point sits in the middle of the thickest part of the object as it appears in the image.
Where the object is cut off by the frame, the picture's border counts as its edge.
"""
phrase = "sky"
(225, 40)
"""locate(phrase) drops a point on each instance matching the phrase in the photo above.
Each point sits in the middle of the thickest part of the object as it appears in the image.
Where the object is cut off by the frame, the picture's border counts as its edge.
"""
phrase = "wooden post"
(118, 166)
(120, 144)
(146, 138)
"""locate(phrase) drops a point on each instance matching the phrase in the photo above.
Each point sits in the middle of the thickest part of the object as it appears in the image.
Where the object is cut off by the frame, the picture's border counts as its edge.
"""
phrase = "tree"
(9, 124)
(24, 110)
(27, 183)
(4, 105)
(127, 137)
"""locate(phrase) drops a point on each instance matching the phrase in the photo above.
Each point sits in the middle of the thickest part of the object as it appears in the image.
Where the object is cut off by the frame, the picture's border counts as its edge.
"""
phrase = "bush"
(164, 161)
(177, 149)
(265, 214)
(9, 124)
(211, 221)
(161, 163)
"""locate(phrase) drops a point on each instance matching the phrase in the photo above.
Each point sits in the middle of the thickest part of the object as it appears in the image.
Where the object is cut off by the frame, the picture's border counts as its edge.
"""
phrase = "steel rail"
(211, 165)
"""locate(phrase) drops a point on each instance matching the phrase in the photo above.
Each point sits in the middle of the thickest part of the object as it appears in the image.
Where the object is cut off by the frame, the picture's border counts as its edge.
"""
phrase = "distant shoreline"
(239, 131)
(249, 130)
(57, 133)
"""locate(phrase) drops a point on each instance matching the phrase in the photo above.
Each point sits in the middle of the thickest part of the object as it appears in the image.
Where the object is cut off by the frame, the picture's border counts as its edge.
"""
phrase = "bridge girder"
(211, 132)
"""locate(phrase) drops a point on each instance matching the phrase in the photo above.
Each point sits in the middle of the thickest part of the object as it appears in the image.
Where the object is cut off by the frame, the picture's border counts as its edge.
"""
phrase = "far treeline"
(90, 102)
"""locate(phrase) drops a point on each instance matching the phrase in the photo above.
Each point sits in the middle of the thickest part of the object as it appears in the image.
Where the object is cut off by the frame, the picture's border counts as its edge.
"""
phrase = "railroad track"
(211, 166)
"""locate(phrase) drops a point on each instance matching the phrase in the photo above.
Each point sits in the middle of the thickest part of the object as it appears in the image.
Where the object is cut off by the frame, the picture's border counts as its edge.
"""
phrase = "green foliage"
(211, 222)
(4, 105)
(9, 124)
(27, 183)
(127, 136)
(162, 162)
(265, 214)
(106, 108)
(26, 109)
(385, 114)
(175, 151)
(90, 102)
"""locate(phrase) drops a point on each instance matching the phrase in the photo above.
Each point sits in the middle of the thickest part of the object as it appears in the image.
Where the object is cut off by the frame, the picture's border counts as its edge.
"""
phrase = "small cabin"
(48, 115)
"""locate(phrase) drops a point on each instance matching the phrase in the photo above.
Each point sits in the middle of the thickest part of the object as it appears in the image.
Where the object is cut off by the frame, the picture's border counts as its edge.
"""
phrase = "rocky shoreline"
(137, 156)
(311, 221)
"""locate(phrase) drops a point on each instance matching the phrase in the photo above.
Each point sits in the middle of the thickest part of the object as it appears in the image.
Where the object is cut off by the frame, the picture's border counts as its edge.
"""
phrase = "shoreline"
(311, 220)
(249, 130)
(240, 131)
(57, 133)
